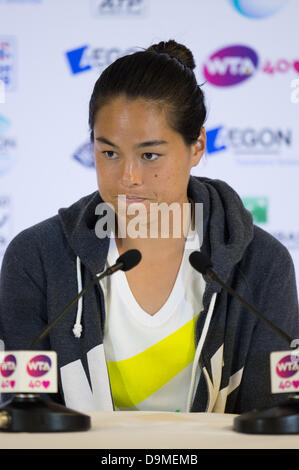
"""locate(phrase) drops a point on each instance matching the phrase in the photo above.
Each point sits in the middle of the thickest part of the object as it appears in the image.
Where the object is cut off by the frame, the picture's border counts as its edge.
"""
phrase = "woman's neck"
(165, 241)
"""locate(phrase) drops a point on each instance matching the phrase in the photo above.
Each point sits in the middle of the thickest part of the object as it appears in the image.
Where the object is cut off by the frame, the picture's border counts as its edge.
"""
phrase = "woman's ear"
(199, 147)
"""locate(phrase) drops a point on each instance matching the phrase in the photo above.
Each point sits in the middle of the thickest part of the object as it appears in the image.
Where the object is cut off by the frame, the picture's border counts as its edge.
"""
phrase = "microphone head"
(129, 259)
(200, 262)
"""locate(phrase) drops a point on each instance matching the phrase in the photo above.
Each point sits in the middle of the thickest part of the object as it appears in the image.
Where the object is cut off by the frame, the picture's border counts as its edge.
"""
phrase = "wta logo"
(235, 64)
(39, 365)
(231, 65)
(287, 366)
(8, 366)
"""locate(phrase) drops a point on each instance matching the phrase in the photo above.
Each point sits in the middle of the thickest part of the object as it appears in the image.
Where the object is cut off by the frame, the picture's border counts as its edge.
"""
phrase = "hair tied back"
(175, 51)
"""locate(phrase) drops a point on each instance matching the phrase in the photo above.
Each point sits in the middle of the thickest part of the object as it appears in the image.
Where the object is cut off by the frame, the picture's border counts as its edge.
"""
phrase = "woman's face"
(137, 154)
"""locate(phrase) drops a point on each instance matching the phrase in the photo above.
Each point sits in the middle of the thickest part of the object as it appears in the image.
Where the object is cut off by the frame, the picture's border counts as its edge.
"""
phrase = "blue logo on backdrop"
(8, 62)
(258, 8)
(75, 58)
(86, 58)
(84, 155)
(213, 140)
(268, 144)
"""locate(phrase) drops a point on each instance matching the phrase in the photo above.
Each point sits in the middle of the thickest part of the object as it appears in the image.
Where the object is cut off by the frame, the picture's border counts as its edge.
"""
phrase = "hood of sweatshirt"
(227, 227)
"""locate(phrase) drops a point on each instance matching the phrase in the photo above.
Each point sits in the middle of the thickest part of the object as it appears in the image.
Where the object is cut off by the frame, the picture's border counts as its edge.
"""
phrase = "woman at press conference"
(161, 336)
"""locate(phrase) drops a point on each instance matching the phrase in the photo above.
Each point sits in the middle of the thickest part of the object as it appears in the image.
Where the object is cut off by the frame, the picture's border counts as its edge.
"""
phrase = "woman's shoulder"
(30, 242)
(267, 241)
(266, 250)
(52, 226)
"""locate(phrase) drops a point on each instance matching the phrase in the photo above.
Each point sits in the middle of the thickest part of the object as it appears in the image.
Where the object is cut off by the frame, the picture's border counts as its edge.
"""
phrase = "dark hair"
(162, 73)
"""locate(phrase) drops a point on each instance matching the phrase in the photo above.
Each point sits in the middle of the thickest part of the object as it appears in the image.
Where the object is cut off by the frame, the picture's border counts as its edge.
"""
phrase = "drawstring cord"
(77, 329)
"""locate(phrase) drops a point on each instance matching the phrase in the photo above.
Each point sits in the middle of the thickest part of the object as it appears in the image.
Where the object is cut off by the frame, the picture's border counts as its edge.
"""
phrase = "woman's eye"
(110, 154)
(151, 156)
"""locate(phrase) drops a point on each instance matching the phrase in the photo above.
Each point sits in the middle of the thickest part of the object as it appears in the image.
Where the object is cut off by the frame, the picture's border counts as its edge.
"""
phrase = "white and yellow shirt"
(149, 358)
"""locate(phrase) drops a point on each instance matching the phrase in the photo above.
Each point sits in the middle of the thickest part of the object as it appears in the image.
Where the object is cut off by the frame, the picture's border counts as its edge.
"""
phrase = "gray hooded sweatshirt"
(45, 265)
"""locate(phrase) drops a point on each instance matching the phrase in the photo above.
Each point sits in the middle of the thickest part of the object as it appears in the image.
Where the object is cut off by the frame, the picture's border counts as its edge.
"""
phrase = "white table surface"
(151, 430)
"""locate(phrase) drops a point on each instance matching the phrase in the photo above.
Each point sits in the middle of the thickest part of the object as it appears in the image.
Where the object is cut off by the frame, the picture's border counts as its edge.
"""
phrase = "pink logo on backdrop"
(39, 365)
(231, 65)
(8, 365)
(287, 366)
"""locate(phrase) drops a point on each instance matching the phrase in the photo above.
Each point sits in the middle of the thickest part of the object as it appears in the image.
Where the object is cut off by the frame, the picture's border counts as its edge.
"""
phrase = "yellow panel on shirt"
(135, 379)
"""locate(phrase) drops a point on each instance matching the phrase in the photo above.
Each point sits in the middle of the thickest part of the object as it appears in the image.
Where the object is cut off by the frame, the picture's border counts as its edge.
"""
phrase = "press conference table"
(151, 430)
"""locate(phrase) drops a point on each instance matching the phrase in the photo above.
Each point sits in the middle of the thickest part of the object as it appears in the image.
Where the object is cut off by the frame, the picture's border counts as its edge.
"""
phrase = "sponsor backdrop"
(247, 56)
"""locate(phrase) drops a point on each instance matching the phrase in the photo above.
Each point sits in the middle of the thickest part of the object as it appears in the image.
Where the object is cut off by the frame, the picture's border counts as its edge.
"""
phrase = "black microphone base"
(31, 413)
(280, 419)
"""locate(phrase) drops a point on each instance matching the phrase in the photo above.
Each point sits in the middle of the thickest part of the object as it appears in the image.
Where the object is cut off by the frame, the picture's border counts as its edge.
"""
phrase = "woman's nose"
(131, 173)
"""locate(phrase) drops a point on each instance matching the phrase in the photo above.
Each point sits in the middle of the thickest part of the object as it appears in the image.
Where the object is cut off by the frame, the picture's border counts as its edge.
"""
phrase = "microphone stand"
(28, 412)
(280, 419)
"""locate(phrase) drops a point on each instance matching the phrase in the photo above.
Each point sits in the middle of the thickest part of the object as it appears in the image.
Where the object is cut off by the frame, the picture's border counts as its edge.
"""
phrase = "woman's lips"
(130, 198)
(135, 199)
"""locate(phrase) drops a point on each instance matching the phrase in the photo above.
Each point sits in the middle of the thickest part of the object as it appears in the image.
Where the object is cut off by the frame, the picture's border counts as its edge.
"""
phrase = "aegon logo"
(8, 365)
(231, 65)
(248, 140)
(86, 57)
(38, 366)
(287, 366)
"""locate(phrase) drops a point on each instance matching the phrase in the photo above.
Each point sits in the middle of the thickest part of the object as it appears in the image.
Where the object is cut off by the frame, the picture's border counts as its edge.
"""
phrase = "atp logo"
(118, 7)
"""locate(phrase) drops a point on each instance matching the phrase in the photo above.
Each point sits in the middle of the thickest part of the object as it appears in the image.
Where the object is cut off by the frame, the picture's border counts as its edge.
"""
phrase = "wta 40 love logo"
(28, 371)
(8, 365)
(285, 372)
(286, 368)
(7, 368)
(39, 365)
(39, 384)
(234, 64)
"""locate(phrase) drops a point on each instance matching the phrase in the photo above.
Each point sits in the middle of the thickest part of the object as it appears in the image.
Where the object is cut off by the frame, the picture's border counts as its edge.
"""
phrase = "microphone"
(126, 261)
(27, 412)
(202, 264)
(282, 419)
